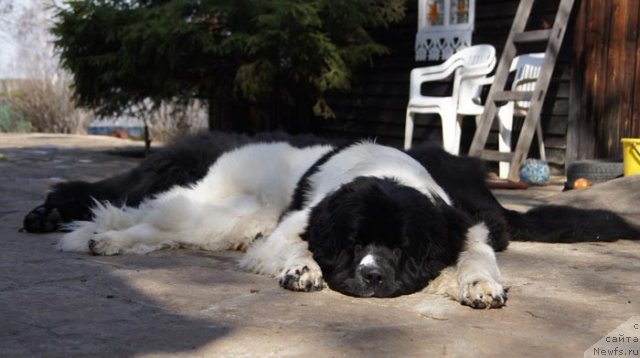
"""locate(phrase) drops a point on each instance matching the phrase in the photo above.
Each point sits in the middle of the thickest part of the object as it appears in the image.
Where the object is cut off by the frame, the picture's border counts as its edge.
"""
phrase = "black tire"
(596, 171)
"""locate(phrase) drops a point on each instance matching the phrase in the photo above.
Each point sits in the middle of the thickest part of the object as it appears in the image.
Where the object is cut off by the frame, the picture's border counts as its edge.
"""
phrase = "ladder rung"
(513, 96)
(532, 36)
(495, 156)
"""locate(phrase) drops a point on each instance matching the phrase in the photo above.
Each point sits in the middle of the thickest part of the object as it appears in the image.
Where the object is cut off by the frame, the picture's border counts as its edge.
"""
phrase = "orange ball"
(581, 183)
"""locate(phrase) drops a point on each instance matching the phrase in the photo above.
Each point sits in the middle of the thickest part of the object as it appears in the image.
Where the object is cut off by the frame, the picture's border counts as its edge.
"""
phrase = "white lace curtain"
(444, 26)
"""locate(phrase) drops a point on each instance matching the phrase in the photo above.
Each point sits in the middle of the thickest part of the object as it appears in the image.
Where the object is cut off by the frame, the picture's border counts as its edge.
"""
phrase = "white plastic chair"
(527, 70)
(469, 69)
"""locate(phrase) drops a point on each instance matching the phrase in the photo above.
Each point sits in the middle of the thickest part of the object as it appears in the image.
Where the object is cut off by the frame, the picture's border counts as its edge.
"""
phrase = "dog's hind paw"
(482, 293)
(302, 278)
(78, 239)
(42, 219)
(105, 244)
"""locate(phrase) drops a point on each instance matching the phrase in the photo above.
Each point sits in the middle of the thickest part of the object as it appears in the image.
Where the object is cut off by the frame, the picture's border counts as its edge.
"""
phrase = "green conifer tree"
(121, 52)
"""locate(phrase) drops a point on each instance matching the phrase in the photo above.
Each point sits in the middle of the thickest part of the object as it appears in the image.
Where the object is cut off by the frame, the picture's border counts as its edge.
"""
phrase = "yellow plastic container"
(631, 156)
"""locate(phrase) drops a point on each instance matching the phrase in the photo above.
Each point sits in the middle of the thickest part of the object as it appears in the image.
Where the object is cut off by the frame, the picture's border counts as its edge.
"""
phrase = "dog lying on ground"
(369, 220)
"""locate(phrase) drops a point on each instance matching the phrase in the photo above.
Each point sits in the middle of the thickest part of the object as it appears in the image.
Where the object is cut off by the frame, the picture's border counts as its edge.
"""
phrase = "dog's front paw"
(482, 293)
(302, 278)
(105, 244)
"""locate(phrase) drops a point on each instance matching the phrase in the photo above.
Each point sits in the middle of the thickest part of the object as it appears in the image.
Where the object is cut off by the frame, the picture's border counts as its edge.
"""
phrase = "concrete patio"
(562, 299)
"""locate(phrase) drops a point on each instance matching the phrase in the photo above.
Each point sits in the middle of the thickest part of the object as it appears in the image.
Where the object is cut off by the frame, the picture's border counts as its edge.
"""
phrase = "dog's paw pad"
(483, 293)
(302, 278)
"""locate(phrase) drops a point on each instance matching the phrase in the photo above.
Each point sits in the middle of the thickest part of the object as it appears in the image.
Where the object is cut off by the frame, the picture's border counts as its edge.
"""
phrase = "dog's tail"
(554, 223)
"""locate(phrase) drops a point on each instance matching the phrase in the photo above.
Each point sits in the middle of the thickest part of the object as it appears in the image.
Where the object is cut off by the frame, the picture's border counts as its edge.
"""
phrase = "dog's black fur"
(366, 215)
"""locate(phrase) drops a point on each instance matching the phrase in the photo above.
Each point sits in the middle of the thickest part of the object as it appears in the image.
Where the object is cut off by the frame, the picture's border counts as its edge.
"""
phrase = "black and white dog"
(369, 220)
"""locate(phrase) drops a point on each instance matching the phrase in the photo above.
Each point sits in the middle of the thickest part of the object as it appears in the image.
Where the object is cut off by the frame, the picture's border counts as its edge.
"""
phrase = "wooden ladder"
(518, 35)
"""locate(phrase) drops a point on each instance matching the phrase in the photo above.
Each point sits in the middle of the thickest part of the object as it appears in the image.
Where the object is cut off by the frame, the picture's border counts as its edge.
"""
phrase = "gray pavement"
(563, 298)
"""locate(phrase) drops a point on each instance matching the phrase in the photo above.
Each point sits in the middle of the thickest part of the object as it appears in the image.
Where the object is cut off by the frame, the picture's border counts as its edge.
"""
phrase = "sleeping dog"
(367, 219)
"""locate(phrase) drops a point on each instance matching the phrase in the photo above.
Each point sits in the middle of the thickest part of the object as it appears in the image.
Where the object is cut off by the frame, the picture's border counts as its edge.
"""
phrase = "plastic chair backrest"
(527, 70)
(477, 60)
(474, 60)
(471, 77)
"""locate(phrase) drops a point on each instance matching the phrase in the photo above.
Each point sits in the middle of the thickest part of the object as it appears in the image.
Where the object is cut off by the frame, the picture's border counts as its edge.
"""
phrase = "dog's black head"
(375, 237)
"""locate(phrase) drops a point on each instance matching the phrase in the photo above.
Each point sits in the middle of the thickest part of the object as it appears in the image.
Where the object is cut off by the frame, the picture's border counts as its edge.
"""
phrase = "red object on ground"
(506, 184)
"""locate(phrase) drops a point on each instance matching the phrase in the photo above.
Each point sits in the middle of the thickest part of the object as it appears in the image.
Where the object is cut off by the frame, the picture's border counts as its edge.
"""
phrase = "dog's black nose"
(371, 275)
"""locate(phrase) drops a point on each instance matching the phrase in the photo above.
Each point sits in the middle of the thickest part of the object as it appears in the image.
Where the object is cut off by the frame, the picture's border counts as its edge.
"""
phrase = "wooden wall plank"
(629, 75)
(603, 25)
(613, 76)
(575, 122)
(589, 33)
(635, 110)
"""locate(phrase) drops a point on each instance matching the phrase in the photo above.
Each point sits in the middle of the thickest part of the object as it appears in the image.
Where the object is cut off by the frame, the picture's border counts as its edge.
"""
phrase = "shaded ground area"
(563, 298)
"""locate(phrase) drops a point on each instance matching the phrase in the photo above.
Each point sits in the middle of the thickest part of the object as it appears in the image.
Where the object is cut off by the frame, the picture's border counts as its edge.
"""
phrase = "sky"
(26, 50)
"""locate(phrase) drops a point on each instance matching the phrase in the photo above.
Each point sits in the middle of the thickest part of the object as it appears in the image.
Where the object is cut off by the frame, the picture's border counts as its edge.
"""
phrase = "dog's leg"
(285, 255)
(474, 280)
(107, 217)
(138, 239)
(478, 273)
(206, 227)
(178, 219)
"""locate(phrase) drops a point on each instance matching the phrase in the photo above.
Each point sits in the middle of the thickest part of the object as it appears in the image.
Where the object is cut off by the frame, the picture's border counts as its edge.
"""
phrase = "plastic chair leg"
(543, 154)
(408, 130)
(450, 132)
(505, 117)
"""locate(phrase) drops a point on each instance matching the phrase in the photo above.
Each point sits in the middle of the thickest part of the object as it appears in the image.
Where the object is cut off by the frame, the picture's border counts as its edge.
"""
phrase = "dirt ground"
(562, 299)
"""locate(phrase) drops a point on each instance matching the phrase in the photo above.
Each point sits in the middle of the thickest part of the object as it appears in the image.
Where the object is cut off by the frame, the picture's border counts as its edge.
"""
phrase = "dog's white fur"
(243, 196)
(370, 159)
